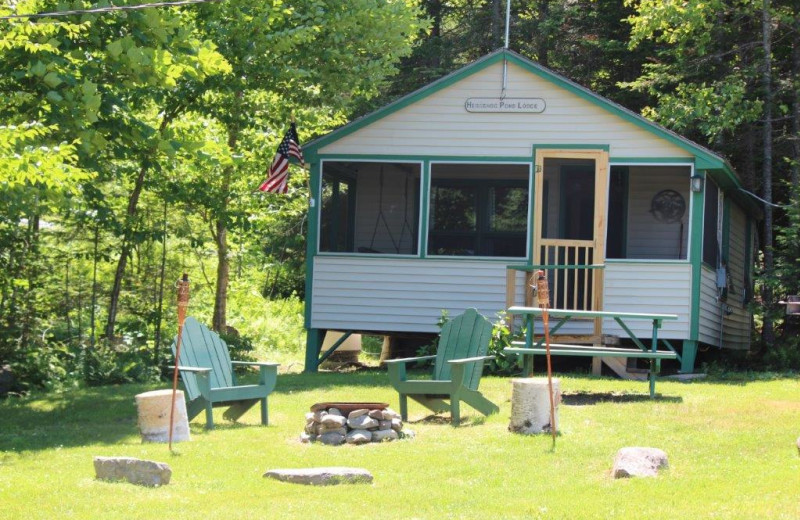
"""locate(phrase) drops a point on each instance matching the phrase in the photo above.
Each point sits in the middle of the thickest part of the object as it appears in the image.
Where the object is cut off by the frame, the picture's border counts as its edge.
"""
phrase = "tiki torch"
(543, 297)
(183, 305)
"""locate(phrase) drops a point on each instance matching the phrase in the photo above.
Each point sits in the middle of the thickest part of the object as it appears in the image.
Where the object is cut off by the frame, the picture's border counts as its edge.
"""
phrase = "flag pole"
(543, 297)
(183, 305)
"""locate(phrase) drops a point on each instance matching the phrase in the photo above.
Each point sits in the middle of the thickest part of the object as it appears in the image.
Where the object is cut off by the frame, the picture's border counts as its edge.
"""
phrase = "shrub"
(501, 338)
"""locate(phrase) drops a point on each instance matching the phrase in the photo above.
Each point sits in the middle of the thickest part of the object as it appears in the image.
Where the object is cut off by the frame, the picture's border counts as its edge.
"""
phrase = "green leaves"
(24, 162)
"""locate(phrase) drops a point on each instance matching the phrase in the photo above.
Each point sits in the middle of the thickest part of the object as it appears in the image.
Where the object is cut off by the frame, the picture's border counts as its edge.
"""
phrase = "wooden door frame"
(600, 158)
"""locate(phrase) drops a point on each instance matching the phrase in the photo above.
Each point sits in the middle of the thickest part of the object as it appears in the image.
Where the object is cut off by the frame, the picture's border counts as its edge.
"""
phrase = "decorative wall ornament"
(668, 206)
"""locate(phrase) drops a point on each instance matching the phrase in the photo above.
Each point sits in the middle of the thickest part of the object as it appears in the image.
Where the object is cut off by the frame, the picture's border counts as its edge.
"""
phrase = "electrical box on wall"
(722, 278)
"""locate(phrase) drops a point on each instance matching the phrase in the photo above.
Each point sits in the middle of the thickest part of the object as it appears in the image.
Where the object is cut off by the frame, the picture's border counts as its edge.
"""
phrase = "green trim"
(313, 346)
(426, 208)
(696, 259)
(339, 342)
(626, 202)
(705, 158)
(531, 209)
(688, 356)
(488, 259)
(633, 161)
(365, 255)
(623, 171)
(702, 154)
(653, 261)
(420, 158)
(312, 238)
(726, 231)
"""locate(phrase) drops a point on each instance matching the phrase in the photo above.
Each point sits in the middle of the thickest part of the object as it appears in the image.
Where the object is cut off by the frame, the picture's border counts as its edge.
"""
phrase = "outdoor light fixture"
(697, 183)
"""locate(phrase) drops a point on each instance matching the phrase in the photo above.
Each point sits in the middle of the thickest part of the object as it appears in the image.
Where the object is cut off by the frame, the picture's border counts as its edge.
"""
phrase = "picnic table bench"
(530, 347)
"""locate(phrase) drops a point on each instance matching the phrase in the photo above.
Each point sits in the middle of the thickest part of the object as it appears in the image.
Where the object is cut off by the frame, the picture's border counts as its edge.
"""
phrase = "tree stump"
(530, 405)
(153, 410)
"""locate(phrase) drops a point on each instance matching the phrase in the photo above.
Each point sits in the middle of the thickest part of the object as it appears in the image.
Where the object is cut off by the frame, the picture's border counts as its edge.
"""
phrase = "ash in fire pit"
(331, 425)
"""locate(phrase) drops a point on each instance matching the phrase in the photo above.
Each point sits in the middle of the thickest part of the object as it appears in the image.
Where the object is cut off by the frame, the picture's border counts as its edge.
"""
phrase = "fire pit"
(346, 408)
(353, 423)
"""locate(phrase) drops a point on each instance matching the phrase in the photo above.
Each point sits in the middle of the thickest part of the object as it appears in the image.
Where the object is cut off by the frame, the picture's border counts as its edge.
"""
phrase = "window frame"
(418, 205)
(482, 213)
(625, 162)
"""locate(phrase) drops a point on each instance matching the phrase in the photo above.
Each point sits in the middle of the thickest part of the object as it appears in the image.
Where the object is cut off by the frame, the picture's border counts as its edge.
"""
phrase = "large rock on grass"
(135, 471)
(321, 476)
(639, 462)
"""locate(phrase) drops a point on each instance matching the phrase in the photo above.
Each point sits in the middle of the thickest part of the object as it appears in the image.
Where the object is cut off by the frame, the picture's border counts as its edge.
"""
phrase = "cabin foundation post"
(313, 345)
(688, 356)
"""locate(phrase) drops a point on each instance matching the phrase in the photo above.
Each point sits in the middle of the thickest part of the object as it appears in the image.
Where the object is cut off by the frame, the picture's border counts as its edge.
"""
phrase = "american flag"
(278, 177)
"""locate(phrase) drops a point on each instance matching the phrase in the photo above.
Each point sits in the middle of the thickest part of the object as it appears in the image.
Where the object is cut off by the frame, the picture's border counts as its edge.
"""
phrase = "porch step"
(619, 366)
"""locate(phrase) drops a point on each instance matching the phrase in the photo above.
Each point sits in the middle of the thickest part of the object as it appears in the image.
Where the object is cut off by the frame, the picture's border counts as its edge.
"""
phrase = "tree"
(713, 79)
(313, 58)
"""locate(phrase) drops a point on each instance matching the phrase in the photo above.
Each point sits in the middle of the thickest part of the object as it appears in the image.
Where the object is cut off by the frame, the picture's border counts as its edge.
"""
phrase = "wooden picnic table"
(530, 347)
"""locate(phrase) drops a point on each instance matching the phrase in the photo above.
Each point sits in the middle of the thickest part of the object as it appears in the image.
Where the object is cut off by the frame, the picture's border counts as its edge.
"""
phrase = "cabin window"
(370, 207)
(479, 210)
(648, 212)
(712, 225)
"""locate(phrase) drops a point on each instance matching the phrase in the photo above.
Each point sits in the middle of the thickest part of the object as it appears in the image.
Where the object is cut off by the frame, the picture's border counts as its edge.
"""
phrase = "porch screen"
(478, 210)
(370, 207)
(648, 212)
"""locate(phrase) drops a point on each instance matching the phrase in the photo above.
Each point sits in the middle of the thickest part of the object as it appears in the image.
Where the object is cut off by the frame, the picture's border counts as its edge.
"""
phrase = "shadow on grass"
(466, 422)
(328, 380)
(102, 415)
(591, 398)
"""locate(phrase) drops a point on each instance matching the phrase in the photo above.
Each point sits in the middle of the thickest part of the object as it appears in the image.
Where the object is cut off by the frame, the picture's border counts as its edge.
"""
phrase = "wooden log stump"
(153, 411)
(530, 405)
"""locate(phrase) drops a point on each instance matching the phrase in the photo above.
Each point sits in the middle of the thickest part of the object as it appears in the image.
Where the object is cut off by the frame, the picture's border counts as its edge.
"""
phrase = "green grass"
(731, 447)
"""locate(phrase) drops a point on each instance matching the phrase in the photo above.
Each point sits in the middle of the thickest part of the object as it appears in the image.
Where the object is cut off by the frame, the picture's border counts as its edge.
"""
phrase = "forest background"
(132, 141)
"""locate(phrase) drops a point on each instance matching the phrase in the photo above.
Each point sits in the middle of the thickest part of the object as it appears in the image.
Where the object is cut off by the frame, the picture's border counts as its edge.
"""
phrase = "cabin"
(452, 196)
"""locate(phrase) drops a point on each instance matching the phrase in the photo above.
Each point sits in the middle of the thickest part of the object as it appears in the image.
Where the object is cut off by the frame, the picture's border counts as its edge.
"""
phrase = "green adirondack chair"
(208, 379)
(460, 354)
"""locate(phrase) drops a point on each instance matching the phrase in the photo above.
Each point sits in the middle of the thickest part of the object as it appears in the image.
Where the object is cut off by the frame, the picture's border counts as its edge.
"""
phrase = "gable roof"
(705, 159)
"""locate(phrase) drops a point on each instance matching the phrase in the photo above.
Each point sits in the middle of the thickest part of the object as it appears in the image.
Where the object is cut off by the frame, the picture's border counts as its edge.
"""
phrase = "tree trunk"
(768, 331)
(133, 201)
(543, 37)
(434, 8)
(795, 137)
(31, 257)
(162, 273)
(497, 24)
(127, 244)
(218, 322)
(94, 284)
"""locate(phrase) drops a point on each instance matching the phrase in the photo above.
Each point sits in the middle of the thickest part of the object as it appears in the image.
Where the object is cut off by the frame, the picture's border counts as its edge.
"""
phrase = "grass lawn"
(731, 447)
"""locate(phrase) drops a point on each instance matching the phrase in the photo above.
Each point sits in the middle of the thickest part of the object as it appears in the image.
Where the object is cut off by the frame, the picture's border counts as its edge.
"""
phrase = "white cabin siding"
(438, 125)
(649, 288)
(401, 295)
(710, 307)
(736, 256)
(736, 325)
(408, 295)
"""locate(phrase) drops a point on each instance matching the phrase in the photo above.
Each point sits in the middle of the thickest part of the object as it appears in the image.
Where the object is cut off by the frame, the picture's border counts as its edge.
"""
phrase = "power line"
(765, 201)
(108, 9)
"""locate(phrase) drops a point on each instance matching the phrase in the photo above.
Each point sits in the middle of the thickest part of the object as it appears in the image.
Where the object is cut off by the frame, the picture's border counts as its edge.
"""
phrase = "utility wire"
(108, 9)
(764, 201)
